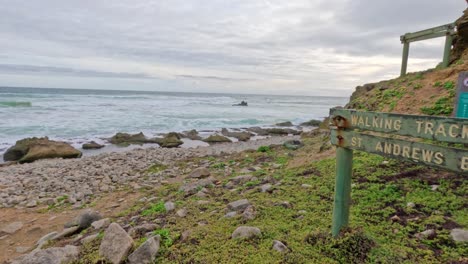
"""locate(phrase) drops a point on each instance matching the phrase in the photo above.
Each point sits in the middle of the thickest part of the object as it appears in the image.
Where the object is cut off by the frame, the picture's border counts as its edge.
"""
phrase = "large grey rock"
(115, 244)
(52, 255)
(89, 238)
(85, 219)
(12, 228)
(31, 149)
(459, 235)
(238, 205)
(293, 144)
(200, 173)
(146, 253)
(216, 139)
(92, 145)
(246, 232)
(279, 246)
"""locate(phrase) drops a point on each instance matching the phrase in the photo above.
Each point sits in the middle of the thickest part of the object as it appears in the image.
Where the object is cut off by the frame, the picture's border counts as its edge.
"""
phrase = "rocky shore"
(75, 181)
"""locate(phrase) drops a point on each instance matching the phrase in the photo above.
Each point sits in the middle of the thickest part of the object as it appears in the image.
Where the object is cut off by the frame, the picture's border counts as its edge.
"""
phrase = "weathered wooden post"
(344, 167)
(404, 61)
(447, 49)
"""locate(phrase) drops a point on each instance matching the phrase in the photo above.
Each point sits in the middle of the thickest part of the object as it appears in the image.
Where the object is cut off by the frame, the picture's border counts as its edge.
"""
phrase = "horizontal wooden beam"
(442, 129)
(438, 29)
(443, 157)
(429, 36)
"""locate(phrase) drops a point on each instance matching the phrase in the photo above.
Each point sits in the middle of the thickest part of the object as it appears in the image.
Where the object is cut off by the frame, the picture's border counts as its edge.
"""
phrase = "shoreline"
(188, 143)
(45, 182)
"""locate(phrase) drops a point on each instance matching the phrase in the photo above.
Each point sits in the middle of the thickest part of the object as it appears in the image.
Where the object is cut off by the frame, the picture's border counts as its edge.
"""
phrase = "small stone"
(246, 232)
(410, 205)
(181, 213)
(12, 227)
(200, 173)
(31, 204)
(249, 213)
(230, 214)
(459, 235)
(302, 212)
(306, 185)
(395, 218)
(279, 246)
(203, 202)
(3, 237)
(428, 234)
(170, 206)
(238, 205)
(115, 244)
(434, 187)
(146, 253)
(99, 224)
(265, 187)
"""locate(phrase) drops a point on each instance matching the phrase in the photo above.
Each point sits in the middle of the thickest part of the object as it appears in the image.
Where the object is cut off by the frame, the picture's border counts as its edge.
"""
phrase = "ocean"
(79, 115)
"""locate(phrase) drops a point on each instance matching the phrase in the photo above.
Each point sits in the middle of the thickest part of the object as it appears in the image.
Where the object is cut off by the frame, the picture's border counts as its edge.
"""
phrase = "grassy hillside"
(392, 203)
(430, 92)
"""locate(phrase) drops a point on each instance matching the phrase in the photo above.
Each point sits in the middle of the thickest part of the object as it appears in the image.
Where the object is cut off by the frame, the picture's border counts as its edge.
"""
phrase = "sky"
(295, 47)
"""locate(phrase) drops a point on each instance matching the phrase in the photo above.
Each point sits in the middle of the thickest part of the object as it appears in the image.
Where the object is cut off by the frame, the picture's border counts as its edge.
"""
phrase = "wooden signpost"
(392, 135)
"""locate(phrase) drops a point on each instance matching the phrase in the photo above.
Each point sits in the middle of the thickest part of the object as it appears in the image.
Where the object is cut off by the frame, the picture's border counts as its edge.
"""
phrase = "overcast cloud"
(252, 46)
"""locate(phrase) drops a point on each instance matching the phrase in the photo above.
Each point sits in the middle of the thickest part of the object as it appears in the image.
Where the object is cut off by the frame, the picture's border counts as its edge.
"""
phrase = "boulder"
(127, 139)
(314, 123)
(285, 124)
(199, 173)
(92, 145)
(171, 140)
(192, 134)
(53, 255)
(85, 219)
(241, 136)
(258, 130)
(66, 232)
(428, 234)
(216, 139)
(146, 253)
(31, 149)
(293, 144)
(249, 213)
(44, 239)
(115, 244)
(246, 232)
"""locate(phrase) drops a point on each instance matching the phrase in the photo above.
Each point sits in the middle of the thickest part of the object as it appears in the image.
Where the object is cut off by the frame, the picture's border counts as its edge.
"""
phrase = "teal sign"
(462, 111)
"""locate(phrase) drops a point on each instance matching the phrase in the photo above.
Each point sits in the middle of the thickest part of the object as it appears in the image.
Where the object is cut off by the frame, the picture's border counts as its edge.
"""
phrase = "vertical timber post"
(404, 61)
(447, 49)
(344, 161)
